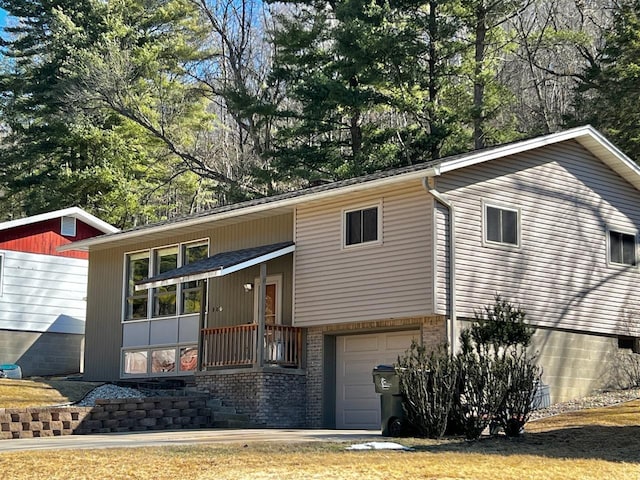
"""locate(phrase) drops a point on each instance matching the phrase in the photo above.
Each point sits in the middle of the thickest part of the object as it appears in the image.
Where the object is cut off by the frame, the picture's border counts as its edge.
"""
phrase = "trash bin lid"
(8, 366)
(384, 368)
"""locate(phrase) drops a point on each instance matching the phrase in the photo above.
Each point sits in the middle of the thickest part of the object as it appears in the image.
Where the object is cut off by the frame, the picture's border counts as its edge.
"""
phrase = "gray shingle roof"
(219, 261)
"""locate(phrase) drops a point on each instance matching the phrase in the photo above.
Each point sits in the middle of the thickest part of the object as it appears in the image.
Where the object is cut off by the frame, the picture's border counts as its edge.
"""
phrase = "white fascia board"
(512, 149)
(584, 135)
(269, 205)
(175, 281)
(66, 212)
(217, 272)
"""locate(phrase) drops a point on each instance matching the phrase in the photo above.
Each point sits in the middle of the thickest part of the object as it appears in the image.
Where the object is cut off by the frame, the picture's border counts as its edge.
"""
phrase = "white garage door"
(357, 403)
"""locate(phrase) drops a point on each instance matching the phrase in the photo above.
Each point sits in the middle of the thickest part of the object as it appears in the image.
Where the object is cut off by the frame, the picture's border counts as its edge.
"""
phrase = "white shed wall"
(43, 293)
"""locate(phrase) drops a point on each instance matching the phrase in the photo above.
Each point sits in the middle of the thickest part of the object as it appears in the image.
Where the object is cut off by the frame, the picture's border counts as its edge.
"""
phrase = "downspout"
(429, 183)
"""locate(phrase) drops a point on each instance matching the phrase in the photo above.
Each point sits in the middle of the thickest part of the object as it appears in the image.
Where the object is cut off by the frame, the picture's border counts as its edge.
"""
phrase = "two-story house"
(283, 305)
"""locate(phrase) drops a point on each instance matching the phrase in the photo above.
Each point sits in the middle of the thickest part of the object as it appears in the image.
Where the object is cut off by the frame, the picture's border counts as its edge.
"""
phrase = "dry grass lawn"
(591, 444)
(42, 392)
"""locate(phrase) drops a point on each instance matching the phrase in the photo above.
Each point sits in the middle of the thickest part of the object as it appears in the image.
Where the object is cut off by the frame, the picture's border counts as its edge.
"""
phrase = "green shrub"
(479, 391)
(427, 381)
(498, 379)
(491, 380)
(521, 377)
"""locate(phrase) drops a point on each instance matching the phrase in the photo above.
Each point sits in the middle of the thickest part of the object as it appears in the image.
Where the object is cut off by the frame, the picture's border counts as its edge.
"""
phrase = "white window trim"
(343, 226)
(125, 287)
(68, 229)
(149, 252)
(624, 231)
(271, 279)
(489, 243)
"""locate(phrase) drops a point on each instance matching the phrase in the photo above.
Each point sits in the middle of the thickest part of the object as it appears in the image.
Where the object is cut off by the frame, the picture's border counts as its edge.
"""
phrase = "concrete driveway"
(184, 437)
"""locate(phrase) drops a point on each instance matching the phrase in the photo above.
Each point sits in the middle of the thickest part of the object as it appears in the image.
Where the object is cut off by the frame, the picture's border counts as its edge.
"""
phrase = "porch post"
(203, 308)
(262, 305)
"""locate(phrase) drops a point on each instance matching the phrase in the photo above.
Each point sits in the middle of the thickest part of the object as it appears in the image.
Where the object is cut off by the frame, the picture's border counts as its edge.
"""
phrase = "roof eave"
(216, 271)
(587, 136)
(269, 205)
(75, 212)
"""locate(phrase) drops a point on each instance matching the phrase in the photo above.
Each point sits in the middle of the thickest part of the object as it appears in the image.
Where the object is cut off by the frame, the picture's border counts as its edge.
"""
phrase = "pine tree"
(608, 93)
(368, 84)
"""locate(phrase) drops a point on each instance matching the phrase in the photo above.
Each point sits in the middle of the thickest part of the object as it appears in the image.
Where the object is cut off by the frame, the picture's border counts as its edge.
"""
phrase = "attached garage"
(357, 404)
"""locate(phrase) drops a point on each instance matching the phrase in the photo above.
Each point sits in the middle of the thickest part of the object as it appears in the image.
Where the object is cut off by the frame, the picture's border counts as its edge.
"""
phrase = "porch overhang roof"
(218, 265)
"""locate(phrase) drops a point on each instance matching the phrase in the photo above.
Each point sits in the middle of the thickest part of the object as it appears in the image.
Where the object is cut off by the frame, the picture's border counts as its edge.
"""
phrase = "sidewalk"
(183, 437)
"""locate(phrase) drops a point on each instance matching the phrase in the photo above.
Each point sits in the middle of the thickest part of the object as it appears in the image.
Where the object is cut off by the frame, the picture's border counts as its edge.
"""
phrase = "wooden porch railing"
(237, 346)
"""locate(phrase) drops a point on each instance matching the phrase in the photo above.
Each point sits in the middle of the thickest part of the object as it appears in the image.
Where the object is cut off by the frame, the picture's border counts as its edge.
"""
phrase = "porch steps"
(224, 416)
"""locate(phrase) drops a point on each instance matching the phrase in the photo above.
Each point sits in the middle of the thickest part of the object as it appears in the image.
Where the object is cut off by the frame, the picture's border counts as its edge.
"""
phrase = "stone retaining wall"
(116, 415)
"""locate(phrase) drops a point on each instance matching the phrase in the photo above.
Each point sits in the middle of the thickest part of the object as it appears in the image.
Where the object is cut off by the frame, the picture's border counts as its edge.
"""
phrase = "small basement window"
(629, 343)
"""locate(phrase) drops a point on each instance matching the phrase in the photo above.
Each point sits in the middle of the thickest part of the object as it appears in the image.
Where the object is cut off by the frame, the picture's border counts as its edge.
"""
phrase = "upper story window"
(68, 226)
(501, 225)
(622, 248)
(362, 226)
(165, 301)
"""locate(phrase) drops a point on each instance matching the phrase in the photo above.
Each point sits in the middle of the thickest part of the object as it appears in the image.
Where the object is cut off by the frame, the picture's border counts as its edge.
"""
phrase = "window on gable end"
(622, 248)
(68, 226)
(501, 225)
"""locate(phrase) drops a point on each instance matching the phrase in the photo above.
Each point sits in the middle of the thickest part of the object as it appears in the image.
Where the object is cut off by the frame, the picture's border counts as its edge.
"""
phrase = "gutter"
(429, 185)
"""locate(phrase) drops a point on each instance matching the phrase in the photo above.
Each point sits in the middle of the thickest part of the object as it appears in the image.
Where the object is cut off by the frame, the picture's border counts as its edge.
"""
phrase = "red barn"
(43, 291)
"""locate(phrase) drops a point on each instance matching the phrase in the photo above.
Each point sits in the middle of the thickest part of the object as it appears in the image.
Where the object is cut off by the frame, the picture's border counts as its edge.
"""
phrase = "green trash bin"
(387, 383)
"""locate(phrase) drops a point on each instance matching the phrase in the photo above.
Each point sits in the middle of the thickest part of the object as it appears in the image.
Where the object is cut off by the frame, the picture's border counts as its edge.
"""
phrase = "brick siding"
(273, 397)
(432, 333)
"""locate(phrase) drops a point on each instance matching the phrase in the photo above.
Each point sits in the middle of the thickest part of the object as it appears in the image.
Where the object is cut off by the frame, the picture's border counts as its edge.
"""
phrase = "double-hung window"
(166, 301)
(362, 226)
(622, 248)
(501, 225)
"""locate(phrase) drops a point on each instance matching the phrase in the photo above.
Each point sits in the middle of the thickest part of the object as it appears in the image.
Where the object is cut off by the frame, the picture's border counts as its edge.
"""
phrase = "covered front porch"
(238, 346)
(250, 330)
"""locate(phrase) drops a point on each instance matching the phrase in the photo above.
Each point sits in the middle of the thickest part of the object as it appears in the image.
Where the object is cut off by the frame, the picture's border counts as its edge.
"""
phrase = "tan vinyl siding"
(106, 276)
(559, 274)
(442, 260)
(237, 305)
(368, 282)
(103, 331)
